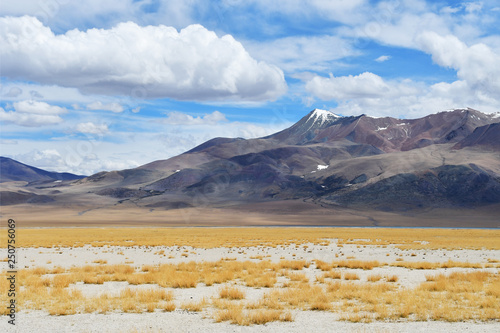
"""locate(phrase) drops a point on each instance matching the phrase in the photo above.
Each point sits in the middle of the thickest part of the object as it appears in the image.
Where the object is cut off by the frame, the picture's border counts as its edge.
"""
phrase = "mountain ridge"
(441, 161)
(12, 170)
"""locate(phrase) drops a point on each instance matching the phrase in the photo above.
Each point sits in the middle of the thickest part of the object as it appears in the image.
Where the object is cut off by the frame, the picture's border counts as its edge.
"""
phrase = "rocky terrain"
(449, 160)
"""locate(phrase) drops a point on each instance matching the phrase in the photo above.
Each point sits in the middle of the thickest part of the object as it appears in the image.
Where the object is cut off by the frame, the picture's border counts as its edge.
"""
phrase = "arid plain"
(258, 279)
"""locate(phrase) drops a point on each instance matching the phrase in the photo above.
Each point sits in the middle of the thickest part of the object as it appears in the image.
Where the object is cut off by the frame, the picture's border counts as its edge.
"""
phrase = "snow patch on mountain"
(323, 116)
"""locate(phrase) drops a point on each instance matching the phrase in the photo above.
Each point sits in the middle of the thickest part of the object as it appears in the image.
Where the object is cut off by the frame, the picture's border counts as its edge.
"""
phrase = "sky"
(88, 86)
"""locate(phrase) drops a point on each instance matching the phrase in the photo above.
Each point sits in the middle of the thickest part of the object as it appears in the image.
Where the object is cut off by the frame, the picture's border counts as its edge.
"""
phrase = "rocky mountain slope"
(444, 160)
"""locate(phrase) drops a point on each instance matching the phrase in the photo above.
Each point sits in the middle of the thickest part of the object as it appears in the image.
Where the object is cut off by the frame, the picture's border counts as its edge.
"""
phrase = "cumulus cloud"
(32, 114)
(478, 84)
(478, 64)
(45, 158)
(179, 118)
(147, 62)
(114, 107)
(38, 108)
(368, 93)
(91, 128)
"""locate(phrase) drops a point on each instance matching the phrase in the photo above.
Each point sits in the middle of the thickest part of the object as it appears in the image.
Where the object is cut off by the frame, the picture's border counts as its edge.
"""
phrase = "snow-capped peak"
(322, 116)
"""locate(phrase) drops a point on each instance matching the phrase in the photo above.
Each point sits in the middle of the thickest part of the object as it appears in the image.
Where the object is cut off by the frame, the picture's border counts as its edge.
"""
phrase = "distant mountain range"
(14, 171)
(11, 170)
(444, 160)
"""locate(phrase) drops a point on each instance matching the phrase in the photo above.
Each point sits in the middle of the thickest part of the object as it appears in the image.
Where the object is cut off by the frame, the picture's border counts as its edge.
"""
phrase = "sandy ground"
(183, 321)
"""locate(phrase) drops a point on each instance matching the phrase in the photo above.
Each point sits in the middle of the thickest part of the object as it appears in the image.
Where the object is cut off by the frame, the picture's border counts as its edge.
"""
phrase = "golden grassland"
(408, 239)
(457, 296)
(355, 290)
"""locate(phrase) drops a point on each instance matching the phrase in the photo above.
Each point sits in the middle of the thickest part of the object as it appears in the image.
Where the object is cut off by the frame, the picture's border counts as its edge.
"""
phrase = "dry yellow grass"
(231, 292)
(238, 314)
(266, 280)
(263, 316)
(194, 306)
(457, 296)
(351, 276)
(293, 264)
(100, 261)
(411, 239)
(334, 274)
(358, 264)
(296, 277)
(435, 265)
(169, 307)
(374, 278)
(324, 266)
(392, 278)
(233, 314)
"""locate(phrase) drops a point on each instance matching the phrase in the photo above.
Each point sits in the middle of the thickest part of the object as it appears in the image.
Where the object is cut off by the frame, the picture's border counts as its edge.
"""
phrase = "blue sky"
(89, 86)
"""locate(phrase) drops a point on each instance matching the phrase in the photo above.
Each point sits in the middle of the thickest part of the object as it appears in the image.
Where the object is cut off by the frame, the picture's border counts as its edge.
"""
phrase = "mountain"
(14, 171)
(324, 163)
(487, 136)
(387, 134)
(11, 170)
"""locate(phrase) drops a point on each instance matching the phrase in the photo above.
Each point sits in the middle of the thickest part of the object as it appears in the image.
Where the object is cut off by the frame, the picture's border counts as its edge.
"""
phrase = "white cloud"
(64, 159)
(399, 23)
(19, 91)
(114, 107)
(399, 29)
(33, 114)
(147, 62)
(65, 14)
(35, 107)
(473, 6)
(368, 93)
(341, 11)
(365, 85)
(179, 118)
(45, 158)
(383, 58)
(478, 64)
(449, 10)
(91, 128)
(478, 85)
(294, 54)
